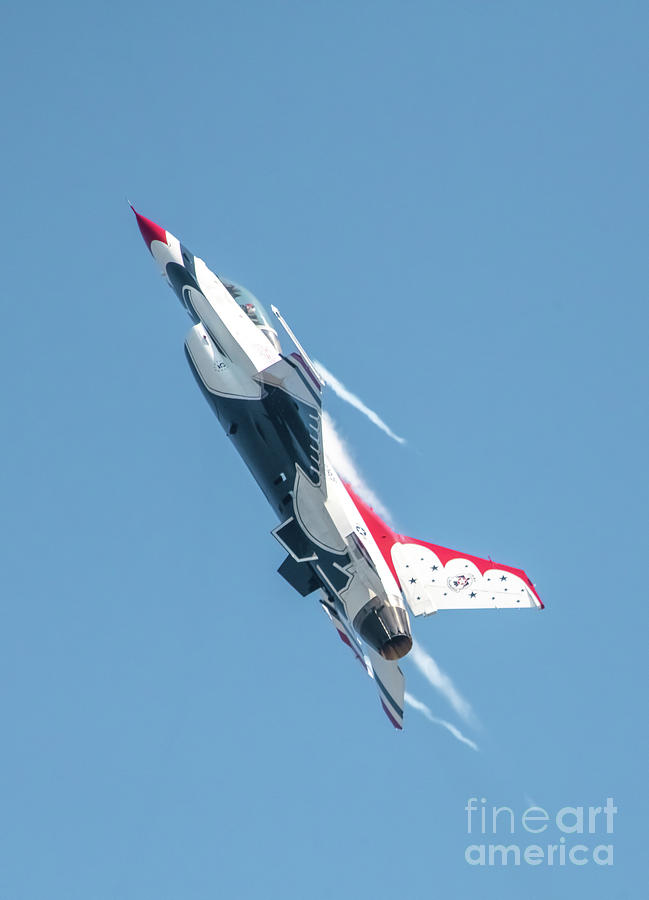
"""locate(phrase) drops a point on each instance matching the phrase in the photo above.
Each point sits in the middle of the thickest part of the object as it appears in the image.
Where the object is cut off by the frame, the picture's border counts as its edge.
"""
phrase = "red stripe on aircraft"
(150, 231)
(343, 637)
(391, 717)
(386, 538)
(483, 565)
(383, 535)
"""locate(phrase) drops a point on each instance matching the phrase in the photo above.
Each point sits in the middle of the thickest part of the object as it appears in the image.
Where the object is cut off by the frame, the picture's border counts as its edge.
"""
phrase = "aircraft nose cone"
(150, 231)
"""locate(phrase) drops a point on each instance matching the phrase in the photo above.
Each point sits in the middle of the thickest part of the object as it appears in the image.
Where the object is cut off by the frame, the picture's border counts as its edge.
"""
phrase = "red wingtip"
(150, 231)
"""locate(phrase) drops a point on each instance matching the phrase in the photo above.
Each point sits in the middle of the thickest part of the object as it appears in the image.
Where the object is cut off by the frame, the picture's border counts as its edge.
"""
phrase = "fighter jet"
(269, 401)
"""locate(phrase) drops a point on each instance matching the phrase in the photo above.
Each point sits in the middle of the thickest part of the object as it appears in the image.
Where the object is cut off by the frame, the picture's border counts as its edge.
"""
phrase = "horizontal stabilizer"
(434, 577)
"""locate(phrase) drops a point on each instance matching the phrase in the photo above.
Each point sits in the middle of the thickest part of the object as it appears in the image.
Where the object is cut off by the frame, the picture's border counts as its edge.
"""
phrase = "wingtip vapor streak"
(270, 405)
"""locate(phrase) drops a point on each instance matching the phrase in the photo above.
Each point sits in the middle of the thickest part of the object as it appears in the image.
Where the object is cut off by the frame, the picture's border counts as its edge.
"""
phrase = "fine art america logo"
(573, 835)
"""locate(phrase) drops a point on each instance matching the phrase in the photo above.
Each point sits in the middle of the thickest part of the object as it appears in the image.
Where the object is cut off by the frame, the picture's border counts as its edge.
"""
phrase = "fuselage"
(269, 405)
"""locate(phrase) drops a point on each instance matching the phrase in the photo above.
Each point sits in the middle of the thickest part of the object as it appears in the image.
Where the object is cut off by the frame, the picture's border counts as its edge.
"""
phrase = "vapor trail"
(441, 682)
(345, 466)
(423, 709)
(339, 388)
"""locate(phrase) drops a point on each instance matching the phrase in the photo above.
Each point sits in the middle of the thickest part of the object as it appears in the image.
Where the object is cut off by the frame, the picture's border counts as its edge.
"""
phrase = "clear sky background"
(448, 201)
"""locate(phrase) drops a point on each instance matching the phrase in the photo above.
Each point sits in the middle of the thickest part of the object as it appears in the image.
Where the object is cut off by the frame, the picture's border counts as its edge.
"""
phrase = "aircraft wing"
(434, 577)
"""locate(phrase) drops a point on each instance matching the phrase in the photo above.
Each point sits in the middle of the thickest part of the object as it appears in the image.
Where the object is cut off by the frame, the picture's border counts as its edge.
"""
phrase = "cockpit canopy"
(253, 309)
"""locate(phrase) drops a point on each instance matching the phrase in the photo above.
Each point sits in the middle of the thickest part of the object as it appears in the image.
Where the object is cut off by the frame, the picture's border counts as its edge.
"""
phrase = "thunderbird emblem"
(460, 582)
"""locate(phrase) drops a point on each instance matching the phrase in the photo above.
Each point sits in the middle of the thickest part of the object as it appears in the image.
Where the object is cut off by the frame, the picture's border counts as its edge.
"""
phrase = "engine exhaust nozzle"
(386, 628)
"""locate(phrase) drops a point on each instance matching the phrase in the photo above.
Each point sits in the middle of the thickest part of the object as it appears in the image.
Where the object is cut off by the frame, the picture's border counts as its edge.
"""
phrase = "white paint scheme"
(243, 342)
(313, 516)
(235, 359)
(348, 520)
(236, 345)
(390, 683)
(218, 373)
(166, 253)
(432, 590)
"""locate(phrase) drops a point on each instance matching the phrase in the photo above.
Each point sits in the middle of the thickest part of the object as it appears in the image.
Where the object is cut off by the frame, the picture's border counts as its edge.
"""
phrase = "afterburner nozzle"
(386, 628)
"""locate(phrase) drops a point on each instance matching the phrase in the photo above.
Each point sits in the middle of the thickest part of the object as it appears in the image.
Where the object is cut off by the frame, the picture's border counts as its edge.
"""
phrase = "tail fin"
(390, 684)
(386, 674)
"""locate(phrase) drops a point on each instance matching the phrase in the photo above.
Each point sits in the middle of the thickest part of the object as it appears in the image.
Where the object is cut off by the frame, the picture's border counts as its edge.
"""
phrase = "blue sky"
(448, 201)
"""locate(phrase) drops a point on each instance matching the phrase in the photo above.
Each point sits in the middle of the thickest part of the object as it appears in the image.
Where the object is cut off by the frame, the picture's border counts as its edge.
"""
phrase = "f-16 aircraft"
(270, 404)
